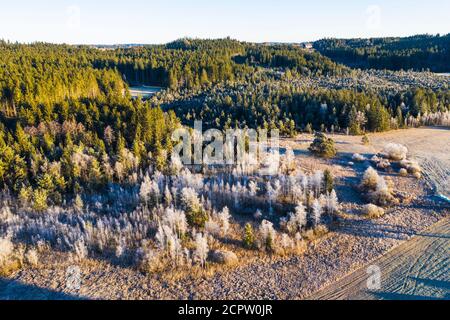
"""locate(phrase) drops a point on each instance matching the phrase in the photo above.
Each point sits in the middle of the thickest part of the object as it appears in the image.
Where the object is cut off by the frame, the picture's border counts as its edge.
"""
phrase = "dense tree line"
(417, 52)
(68, 123)
(187, 63)
(280, 104)
(291, 59)
(66, 126)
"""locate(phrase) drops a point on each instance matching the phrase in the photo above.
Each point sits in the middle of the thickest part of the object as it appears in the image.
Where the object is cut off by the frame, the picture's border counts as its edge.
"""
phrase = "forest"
(421, 52)
(69, 125)
(88, 170)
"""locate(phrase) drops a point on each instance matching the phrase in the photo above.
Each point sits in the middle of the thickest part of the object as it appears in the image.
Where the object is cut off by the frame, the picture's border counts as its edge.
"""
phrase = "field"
(353, 243)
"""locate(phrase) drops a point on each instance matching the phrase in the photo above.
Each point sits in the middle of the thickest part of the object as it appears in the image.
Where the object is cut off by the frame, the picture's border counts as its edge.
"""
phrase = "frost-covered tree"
(176, 220)
(224, 220)
(201, 249)
(332, 202)
(253, 188)
(190, 200)
(316, 213)
(268, 235)
(298, 220)
(168, 199)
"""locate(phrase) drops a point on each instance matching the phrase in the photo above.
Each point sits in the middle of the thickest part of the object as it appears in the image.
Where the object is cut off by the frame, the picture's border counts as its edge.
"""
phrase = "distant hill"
(417, 52)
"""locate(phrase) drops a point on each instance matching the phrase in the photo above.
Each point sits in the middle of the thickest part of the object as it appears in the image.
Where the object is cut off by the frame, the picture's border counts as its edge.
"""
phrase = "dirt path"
(418, 269)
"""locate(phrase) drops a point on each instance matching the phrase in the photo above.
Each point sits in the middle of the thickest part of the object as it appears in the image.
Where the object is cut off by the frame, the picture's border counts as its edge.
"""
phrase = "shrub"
(373, 211)
(403, 172)
(382, 195)
(358, 157)
(378, 191)
(8, 263)
(365, 140)
(323, 146)
(417, 175)
(197, 218)
(370, 179)
(395, 152)
(32, 257)
(383, 164)
(414, 168)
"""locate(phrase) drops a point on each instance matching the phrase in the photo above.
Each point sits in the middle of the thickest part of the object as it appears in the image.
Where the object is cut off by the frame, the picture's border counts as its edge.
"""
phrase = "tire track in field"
(418, 269)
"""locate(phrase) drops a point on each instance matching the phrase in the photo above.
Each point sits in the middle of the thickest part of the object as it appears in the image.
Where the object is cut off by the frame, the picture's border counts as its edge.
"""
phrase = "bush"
(395, 152)
(373, 211)
(377, 190)
(32, 258)
(323, 146)
(384, 164)
(358, 157)
(8, 262)
(370, 179)
(365, 140)
(403, 172)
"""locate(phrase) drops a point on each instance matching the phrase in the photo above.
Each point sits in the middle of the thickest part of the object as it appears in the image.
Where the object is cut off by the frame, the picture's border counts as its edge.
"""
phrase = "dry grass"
(373, 212)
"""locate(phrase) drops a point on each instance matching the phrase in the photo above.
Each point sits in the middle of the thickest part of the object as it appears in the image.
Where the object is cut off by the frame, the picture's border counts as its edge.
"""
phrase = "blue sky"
(160, 21)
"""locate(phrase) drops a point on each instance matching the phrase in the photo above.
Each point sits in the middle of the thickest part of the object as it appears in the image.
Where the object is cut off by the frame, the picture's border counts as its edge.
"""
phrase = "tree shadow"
(15, 290)
(439, 284)
(369, 229)
(401, 296)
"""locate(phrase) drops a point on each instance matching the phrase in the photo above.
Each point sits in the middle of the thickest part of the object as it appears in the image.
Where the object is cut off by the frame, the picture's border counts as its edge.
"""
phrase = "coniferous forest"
(88, 176)
(59, 102)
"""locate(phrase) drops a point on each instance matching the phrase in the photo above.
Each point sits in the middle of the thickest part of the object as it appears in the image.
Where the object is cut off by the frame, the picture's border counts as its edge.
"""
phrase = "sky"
(162, 21)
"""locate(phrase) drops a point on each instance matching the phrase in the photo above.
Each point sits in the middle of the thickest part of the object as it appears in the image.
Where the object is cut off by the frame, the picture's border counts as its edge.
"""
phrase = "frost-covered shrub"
(258, 215)
(370, 179)
(80, 251)
(383, 193)
(395, 152)
(196, 216)
(358, 158)
(213, 228)
(32, 257)
(224, 220)
(377, 189)
(411, 166)
(414, 168)
(331, 203)
(383, 164)
(373, 211)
